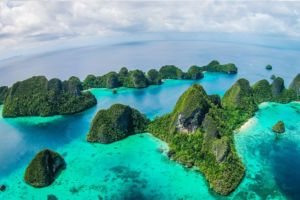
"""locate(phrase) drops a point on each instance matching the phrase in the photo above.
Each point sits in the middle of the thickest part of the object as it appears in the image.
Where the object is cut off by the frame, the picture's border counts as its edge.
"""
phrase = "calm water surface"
(134, 168)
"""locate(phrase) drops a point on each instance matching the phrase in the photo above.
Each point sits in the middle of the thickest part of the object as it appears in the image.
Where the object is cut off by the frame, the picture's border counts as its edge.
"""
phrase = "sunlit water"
(134, 168)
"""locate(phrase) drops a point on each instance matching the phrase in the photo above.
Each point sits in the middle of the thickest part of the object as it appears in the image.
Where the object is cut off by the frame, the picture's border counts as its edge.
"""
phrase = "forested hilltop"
(37, 96)
(139, 79)
(200, 128)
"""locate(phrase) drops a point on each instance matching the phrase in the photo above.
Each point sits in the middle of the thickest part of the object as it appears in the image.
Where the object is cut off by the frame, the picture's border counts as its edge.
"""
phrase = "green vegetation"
(200, 128)
(44, 168)
(215, 66)
(116, 123)
(279, 127)
(269, 67)
(3, 94)
(37, 96)
(295, 85)
(138, 79)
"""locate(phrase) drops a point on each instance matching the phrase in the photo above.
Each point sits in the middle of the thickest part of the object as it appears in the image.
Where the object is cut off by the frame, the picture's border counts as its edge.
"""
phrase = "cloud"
(23, 22)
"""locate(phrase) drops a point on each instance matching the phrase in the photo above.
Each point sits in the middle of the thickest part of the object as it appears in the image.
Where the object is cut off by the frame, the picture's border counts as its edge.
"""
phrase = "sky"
(26, 23)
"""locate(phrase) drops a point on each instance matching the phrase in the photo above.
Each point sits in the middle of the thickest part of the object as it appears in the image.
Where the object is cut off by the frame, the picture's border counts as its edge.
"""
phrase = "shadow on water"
(286, 165)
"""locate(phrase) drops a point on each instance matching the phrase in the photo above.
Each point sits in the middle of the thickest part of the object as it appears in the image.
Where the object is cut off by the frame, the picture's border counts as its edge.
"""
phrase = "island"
(269, 67)
(37, 96)
(140, 79)
(44, 168)
(279, 127)
(199, 130)
(116, 123)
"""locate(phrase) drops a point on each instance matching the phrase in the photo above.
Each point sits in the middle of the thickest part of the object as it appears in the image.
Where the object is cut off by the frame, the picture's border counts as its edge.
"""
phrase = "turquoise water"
(135, 168)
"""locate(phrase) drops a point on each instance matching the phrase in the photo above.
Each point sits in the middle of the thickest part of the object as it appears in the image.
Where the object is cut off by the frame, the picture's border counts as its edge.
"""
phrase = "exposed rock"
(210, 128)
(116, 123)
(279, 127)
(295, 85)
(190, 109)
(44, 168)
(277, 86)
(221, 149)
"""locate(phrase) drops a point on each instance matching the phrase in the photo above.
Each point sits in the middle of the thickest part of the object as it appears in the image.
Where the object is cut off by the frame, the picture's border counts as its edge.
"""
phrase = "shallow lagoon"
(134, 168)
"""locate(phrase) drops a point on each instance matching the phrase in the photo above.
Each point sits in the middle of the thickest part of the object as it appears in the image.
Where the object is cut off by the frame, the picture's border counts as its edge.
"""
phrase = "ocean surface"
(135, 168)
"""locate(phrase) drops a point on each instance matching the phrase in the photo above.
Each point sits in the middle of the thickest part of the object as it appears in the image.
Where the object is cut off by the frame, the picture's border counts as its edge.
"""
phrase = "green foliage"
(262, 91)
(37, 96)
(277, 86)
(279, 127)
(3, 94)
(116, 123)
(210, 147)
(154, 77)
(44, 168)
(135, 79)
(215, 66)
(295, 85)
(171, 72)
(240, 96)
(194, 73)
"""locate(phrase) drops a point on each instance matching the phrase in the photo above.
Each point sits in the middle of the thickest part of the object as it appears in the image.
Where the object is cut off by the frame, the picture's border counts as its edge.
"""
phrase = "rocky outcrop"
(279, 127)
(44, 168)
(277, 86)
(295, 85)
(116, 123)
(262, 91)
(3, 94)
(190, 109)
(221, 149)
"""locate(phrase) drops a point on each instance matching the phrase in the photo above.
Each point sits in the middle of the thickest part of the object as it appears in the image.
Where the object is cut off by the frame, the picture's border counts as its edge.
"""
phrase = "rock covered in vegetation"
(37, 96)
(262, 91)
(295, 85)
(116, 123)
(269, 67)
(215, 66)
(44, 168)
(279, 127)
(3, 94)
(171, 72)
(154, 77)
(277, 86)
(198, 132)
(240, 96)
(195, 73)
(190, 109)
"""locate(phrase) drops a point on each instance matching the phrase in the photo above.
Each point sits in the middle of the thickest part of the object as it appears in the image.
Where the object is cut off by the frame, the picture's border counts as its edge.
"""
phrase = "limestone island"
(116, 123)
(199, 130)
(37, 96)
(44, 168)
(140, 79)
(269, 67)
(279, 127)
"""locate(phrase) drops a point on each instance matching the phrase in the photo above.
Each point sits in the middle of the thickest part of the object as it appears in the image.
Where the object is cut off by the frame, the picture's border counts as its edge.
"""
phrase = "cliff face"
(3, 94)
(190, 109)
(37, 96)
(295, 85)
(44, 168)
(116, 123)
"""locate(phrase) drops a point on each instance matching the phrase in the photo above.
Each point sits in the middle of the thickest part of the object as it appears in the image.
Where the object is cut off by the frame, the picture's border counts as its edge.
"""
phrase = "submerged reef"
(44, 168)
(116, 123)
